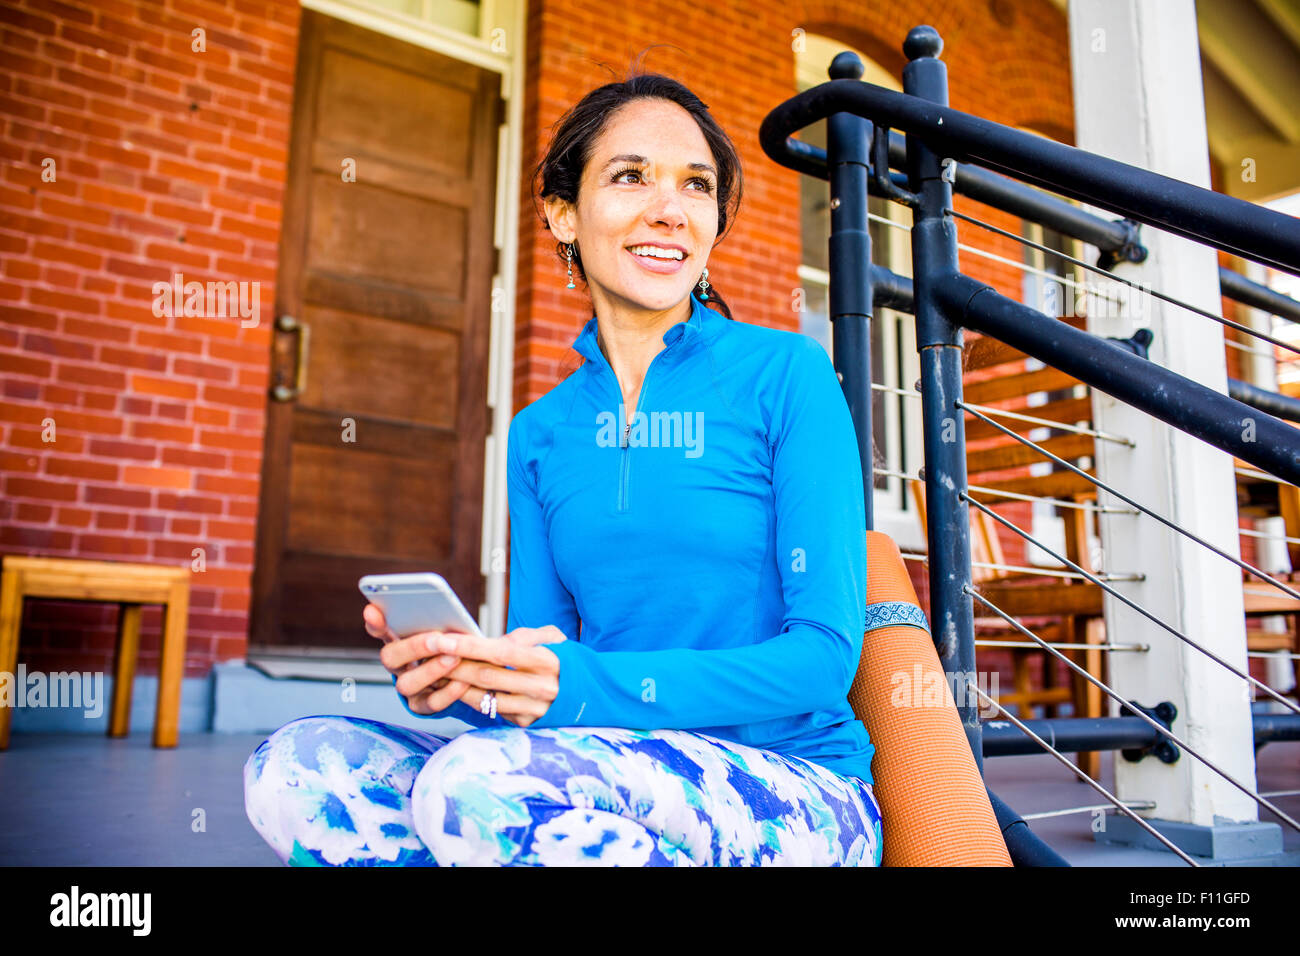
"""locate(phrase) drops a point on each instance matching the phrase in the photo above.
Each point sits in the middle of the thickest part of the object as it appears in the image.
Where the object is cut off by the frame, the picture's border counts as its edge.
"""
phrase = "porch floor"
(86, 800)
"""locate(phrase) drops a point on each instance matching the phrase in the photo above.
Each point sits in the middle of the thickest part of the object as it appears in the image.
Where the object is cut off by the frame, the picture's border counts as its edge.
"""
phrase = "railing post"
(1137, 90)
(939, 342)
(848, 137)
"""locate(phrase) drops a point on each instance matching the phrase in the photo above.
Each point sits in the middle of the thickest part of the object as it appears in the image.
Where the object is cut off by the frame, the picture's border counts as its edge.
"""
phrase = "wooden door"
(378, 414)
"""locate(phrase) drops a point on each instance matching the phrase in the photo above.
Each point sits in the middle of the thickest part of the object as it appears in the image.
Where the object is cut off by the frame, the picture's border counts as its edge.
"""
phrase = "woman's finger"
(508, 705)
(395, 656)
(417, 678)
(543, 687)
(499, 651)
(439, 700)
(376, 623)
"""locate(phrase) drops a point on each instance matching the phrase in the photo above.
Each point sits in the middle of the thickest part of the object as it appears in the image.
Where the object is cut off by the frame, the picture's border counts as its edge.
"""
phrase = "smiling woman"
(683, 628)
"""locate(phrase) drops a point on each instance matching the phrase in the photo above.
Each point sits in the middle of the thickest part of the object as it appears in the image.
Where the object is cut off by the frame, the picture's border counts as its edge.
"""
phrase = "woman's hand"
(431, 681)
(421, 674)
(524, 675)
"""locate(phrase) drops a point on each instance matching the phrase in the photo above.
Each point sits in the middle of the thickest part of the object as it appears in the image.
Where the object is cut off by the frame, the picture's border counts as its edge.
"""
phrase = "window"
(895, 419)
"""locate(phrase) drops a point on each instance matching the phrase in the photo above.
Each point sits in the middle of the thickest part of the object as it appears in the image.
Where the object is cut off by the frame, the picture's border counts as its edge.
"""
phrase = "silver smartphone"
(422, 601)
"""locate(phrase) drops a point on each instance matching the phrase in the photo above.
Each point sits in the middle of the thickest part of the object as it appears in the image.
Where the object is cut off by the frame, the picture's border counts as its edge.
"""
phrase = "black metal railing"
(940, 151)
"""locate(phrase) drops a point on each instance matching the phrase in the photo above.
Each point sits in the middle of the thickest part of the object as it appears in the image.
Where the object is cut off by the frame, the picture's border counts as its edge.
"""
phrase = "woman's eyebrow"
(634, 158)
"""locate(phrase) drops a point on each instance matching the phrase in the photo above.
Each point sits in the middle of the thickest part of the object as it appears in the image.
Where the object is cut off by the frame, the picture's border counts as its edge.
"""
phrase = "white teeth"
(657, 252)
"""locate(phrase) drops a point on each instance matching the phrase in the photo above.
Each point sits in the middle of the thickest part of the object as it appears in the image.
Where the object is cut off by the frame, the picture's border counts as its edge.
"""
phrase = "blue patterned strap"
(890, 613)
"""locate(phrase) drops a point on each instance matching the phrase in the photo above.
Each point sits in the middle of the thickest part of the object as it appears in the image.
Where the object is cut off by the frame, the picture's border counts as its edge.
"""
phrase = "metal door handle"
(286, 393)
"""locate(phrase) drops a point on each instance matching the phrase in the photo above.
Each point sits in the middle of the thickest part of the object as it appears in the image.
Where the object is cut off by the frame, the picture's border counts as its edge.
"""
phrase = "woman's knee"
(484, 799)
(338, 787)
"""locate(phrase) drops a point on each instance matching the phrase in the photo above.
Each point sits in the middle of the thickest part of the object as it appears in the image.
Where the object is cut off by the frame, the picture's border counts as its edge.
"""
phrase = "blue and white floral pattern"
(344, 791)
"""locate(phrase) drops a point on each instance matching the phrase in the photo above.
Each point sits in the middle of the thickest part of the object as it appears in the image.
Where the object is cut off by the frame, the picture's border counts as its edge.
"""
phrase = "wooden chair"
(130, 586)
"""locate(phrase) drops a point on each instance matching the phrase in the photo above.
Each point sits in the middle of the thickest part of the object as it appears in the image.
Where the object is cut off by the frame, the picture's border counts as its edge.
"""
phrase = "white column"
(1138, 99)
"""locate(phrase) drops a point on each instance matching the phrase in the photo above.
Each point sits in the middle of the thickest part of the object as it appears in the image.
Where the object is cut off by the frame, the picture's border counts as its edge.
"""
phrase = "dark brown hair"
(560, 171)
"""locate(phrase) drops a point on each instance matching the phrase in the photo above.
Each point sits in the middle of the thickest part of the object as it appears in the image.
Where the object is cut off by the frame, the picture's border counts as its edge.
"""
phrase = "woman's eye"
(708, 186)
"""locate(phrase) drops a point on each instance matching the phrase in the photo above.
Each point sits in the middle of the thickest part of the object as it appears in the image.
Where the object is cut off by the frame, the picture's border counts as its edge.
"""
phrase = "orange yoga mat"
(933, 805)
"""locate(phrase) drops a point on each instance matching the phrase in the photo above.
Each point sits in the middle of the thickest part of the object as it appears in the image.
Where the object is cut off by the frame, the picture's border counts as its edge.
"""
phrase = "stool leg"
(128, 651)
(166, 724)
(11, 619)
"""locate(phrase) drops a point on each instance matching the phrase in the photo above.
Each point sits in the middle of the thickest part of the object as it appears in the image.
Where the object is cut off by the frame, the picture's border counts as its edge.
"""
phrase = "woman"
(687, 575)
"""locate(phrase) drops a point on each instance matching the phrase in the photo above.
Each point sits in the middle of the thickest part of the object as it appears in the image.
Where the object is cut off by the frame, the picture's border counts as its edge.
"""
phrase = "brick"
(19, 487)
(103, 401)
(225, 484)
(19, 462)
(182, 213)
(159, 431)
(133, 358)
(44, 539)
(116, 198)
(98, 329)
(196, 504)
(11, 364)
(218, 417)
(64, 301)
(64, 348)
(34, 513)
(205, 370)
(193, 458)
(151, 385)
(75, 374)
(138, 450)
(242, 398)
(105, 240)
(232, 530)
(81, 468)
(178, 254)
(190, 526)
(29, 22)
(70, 421)
(31, 438)
(78, 212)
(149, 524)
(176, 478)
(112, 520)
(119, 497)
(233, 441)
(75, 517)
(115, 545)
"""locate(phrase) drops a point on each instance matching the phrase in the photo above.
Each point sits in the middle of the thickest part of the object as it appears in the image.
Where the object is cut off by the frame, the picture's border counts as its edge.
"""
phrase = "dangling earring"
(568, 254)
(704, 284)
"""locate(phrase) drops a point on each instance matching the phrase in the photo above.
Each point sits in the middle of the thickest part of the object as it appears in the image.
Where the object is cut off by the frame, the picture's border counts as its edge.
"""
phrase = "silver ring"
(488, 704)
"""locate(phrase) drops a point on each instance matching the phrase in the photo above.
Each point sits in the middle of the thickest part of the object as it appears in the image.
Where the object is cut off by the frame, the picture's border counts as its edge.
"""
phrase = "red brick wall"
(166, 161)
(170, 161)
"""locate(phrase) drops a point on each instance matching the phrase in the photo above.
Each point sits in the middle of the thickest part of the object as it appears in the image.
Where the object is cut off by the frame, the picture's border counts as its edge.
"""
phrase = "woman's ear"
(559, 214)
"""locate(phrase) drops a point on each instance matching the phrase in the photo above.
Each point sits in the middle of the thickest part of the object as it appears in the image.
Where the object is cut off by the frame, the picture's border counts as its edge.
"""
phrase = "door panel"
(378, 417)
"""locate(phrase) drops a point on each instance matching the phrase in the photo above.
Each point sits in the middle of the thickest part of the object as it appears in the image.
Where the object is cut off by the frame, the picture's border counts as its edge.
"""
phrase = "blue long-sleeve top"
(705, 556)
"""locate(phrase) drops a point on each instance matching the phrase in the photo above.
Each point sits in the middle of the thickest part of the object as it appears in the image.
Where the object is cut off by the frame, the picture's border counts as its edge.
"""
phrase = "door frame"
(499, 48)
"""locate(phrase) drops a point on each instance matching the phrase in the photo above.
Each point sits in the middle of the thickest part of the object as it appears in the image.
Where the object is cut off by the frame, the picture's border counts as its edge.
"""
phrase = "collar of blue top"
(696, 330)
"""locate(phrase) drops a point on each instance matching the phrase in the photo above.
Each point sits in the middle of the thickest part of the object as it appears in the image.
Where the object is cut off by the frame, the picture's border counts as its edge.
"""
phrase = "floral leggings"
(344, 791)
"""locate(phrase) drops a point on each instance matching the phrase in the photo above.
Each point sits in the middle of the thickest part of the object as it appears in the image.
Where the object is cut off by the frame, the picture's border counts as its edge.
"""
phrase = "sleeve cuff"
(576, 681)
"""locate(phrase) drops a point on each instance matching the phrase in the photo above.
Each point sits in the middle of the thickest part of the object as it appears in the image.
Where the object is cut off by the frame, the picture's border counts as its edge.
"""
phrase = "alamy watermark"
(930, 688)
(212, 300)
(1098, 300)
(655, 430)
(59, 689)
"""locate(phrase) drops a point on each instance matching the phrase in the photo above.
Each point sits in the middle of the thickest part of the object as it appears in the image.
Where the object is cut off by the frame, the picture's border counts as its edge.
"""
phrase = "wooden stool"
(130, 586)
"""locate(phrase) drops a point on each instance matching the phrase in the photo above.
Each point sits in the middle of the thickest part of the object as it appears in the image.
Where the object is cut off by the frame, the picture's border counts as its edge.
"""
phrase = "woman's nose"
(667, 206)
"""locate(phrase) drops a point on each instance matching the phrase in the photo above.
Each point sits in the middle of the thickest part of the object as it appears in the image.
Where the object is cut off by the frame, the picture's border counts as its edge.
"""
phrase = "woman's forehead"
(655, 132)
